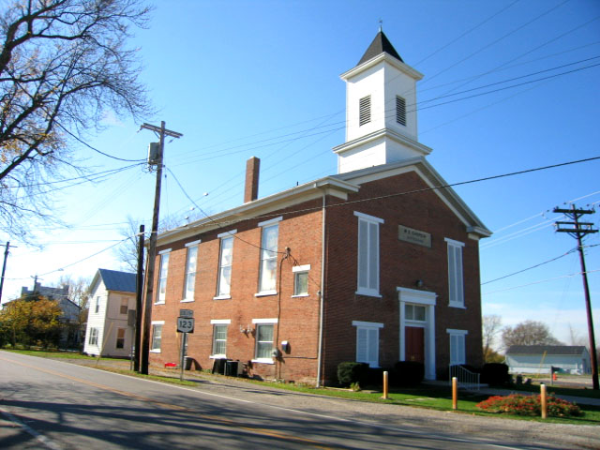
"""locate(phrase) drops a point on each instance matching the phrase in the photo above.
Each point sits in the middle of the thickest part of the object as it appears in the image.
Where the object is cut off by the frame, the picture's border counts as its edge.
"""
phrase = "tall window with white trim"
(368, 254)
(190, 271)
(367, 342)
(264, 341)
(268, 259)
(455, 273)
(457, 346)
(93, 336)
(219, 339)
(162, 281)
(225, 262)
(157, 328)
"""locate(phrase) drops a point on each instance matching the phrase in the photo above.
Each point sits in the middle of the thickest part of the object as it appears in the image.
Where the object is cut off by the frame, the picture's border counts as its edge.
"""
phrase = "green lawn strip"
(57, 354)
(556, 390)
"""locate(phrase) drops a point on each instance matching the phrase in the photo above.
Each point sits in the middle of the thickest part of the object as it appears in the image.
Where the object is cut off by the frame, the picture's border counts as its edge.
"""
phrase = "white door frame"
(422, 298)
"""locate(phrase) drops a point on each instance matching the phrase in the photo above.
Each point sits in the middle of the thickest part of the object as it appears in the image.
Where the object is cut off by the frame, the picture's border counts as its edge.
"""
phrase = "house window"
(120, 338)
(264, 341)
(364, 106)
(368, 254)
(268, 257)
(264, 335)
(124, 305)
(400, 110)
(164, 271)
(455, 273)
(156, 336)
(225, 261)
(93, 338)
(219, 340)
(97, 308)
(301, 280)
(190, 271)
(457, 346)
(367, 342)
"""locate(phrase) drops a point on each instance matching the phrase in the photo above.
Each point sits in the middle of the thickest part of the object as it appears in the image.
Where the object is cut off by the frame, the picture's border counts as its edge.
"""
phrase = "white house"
(110, 329)
(573, 359)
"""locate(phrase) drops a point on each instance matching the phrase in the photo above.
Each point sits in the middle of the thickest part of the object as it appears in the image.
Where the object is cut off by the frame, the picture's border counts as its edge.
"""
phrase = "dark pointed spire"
(379, 45)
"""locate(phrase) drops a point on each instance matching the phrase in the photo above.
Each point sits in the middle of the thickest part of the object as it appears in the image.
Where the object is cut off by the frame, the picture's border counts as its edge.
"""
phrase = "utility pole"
(162, 132)
(4, 270)
(579, 230)
(139, 293)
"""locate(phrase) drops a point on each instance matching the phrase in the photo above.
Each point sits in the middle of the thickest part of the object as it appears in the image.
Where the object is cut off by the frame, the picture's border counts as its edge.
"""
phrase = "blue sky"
(508, 86)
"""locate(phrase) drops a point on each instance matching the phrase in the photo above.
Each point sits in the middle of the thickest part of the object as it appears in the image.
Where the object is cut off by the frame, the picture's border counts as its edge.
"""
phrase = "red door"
(414, 348)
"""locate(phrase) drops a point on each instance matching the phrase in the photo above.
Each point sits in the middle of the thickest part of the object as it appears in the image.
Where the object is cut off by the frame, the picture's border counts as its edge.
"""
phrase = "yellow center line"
(228, 422)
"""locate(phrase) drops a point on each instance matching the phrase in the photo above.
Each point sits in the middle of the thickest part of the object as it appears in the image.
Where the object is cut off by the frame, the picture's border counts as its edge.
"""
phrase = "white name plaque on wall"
(414, 236)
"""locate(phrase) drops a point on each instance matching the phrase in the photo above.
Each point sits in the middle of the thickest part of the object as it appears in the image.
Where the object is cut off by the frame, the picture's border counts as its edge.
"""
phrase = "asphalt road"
(51, 404)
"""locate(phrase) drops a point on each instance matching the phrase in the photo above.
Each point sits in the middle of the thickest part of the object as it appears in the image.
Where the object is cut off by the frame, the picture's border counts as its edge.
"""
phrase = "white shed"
(573, 359)
(109, 330)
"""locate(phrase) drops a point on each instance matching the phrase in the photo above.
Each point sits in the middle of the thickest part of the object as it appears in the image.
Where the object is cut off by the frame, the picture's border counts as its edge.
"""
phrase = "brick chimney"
(252, 171)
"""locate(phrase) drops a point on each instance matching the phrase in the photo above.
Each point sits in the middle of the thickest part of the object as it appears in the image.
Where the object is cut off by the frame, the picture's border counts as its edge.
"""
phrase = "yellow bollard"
(543, 400)
(454, 393)
(385, 385)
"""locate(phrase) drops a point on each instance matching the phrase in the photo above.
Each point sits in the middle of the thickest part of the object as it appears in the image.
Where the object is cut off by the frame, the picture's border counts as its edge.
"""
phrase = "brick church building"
(378, 263)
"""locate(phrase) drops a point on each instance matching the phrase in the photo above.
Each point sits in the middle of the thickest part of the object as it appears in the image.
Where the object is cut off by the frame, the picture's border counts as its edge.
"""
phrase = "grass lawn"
(424, 396)
(56, 354)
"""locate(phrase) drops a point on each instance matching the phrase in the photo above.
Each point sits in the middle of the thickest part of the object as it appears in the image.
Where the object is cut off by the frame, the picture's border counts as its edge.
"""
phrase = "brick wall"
(401, 265)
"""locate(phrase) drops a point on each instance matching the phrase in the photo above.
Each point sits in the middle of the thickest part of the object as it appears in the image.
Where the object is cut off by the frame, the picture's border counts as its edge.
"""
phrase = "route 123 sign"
(185, 325)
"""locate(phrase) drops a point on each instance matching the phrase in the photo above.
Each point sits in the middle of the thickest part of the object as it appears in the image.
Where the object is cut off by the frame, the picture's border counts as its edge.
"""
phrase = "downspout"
(321, 293)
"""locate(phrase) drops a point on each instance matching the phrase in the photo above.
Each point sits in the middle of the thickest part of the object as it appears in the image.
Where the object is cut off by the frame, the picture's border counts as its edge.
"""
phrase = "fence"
(466, 379)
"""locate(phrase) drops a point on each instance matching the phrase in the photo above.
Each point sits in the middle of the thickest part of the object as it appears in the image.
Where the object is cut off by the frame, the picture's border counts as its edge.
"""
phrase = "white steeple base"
(377, 148)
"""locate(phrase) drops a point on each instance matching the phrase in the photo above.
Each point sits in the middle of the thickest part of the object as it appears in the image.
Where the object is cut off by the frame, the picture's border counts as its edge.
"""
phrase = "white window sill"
(160, 303)
(222, 297)
(185, 300)
(265, 293)
(218, 357)
(457, 305)
(300, 295)
(369, 294)
(264, 361)
(154, 351)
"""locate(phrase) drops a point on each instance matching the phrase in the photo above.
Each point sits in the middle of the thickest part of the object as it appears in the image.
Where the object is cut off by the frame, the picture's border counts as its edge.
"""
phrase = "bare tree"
(491, 327)
(63, 66)
(127, 252)
(79, 289)
(529, 332)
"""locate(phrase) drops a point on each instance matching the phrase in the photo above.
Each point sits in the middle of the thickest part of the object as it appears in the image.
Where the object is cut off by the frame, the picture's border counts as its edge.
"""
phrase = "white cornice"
(376, 60)
(384, 132)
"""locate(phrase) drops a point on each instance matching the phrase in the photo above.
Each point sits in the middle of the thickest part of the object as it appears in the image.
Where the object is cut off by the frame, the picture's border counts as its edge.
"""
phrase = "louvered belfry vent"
(364, 110)
(400, 110)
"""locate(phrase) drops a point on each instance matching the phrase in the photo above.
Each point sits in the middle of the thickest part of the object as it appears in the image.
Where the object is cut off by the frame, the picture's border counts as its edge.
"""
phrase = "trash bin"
(219, 366)
(187, 362)
(231, 368)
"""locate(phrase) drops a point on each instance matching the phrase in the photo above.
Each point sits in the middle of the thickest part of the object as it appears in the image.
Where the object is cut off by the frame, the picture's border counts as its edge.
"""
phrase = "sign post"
(185, 325)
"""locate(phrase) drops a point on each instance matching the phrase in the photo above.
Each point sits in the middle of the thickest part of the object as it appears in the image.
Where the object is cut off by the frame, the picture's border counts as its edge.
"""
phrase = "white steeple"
(381, 113)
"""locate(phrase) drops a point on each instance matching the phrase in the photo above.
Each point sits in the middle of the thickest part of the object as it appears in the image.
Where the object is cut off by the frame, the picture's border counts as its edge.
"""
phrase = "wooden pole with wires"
(158, 162)
(579, 230)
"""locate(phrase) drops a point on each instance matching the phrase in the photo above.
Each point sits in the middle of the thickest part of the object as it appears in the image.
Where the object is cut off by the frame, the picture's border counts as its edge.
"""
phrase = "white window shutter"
(361, 345)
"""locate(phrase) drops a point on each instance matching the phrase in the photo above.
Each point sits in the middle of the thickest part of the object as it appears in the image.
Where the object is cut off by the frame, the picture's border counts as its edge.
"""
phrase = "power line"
(95, 149)
(530, 268)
